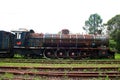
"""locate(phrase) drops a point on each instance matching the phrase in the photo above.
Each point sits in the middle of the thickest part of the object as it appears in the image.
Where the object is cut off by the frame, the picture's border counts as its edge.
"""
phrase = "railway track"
(62, 68)
(60, 72)
(60, 61)
(56, 73)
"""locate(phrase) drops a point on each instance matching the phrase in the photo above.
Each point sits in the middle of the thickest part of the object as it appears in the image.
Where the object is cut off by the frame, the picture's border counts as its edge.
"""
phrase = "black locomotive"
(63, 45)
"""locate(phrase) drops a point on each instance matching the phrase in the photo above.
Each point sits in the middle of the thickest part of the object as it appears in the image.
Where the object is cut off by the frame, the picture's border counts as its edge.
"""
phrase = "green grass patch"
(8, 75)
(117, 56)
(57, 65)
(18, 56)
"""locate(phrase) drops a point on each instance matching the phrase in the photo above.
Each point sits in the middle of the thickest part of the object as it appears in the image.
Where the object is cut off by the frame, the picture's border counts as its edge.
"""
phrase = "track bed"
(57, 73)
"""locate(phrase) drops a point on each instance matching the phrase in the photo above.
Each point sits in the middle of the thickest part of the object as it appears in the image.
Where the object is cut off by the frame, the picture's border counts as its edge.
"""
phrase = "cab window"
(18, 35)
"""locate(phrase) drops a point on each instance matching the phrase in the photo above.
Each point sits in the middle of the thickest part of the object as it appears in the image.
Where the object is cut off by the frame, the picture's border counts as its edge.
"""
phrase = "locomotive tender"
(37, 45)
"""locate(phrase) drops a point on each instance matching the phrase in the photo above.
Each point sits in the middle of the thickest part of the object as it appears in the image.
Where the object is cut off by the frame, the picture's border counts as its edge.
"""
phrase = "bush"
(112, 44)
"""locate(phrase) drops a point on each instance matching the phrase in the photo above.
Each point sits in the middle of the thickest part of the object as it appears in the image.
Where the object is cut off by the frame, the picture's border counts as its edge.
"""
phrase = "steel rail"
(69, 74)
(60, 61)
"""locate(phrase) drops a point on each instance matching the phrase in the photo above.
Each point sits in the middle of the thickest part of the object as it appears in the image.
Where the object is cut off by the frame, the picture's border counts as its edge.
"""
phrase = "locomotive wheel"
(61, 54)
(49, 54)
(74, 54)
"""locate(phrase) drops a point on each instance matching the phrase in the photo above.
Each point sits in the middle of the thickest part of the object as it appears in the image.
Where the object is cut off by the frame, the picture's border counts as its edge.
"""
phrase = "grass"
(117, 56)
(57, 65)
(8, 75)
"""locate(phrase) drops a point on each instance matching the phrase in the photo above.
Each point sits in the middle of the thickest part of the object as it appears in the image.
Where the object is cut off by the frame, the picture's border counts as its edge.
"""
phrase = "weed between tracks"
(8, 75)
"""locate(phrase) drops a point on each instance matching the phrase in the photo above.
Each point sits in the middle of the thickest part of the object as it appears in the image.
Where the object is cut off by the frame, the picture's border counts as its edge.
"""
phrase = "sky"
(51, 16)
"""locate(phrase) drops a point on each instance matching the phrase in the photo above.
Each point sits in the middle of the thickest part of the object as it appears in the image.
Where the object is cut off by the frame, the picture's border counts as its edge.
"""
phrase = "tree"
(118, 40)
(94, 24)
(113, 26)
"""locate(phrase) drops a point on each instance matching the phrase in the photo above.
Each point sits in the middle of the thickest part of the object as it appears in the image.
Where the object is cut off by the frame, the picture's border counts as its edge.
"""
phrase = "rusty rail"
(69, 74)
(44, 61)
(59, 68)
(75, 72)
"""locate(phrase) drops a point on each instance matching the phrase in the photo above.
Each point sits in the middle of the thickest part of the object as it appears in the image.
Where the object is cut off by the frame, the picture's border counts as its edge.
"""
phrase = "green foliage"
(118, 40)
(117, 56)
(93, 24)
(112, 44)
(114, 30)
(114, 23)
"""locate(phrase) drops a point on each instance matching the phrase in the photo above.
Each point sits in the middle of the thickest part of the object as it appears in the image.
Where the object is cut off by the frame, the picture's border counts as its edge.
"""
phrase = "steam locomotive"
(63, 45)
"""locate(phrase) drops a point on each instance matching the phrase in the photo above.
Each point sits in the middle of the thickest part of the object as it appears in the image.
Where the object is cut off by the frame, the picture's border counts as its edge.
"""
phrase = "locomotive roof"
(20, 30)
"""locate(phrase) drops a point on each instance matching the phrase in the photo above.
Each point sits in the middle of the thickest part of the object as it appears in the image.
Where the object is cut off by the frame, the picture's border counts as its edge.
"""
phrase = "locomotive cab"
(20, 36)
(26, 45)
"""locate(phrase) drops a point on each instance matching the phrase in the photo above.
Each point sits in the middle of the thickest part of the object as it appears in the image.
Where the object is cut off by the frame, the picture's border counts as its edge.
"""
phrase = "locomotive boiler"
(62, 45)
